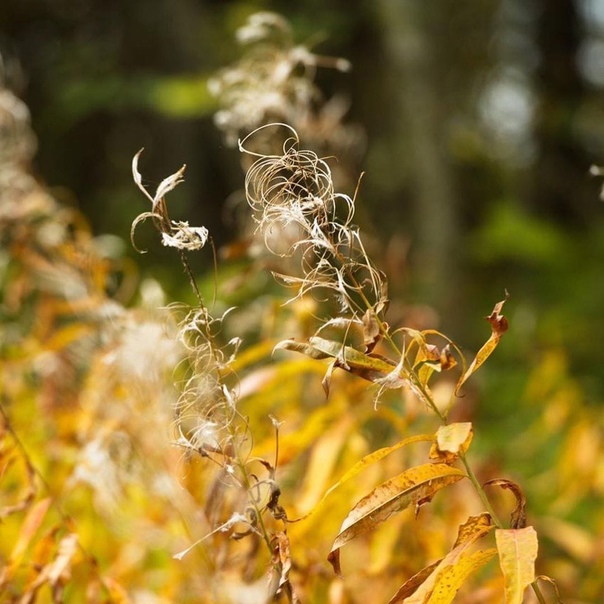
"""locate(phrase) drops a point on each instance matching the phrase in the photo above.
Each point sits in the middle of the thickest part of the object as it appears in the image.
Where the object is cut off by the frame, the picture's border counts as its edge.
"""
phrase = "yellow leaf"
(451, 578)
(472, 528)
(366, 462)
(450, 440)
(414, 486)
(517, 553)
(30, 525)
(323, 458)
(499, 326)
(421, 586)
(411, 584)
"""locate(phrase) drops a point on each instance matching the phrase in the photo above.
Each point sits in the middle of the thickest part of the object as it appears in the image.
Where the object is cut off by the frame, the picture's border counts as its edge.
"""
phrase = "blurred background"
(476, 126)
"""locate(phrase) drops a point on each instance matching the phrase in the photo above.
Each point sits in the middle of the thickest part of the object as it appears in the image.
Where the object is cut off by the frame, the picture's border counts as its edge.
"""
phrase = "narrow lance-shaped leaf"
(499, 325)
(365, 462)
(168, 184)
(517, 554)
(369, 367)
(443, 578)
(415, 486)
(136, 175)
(452, 577)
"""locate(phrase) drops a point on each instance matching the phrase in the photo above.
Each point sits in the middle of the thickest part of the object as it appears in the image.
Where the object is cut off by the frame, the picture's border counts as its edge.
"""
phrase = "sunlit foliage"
(150, 453)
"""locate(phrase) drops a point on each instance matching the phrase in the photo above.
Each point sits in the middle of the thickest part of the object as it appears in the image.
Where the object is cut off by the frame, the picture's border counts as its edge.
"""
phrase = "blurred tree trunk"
(419, 141)
(561, 186)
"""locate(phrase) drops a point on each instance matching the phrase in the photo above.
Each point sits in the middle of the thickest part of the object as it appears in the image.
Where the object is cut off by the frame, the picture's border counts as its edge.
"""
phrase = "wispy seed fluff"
(294, 193)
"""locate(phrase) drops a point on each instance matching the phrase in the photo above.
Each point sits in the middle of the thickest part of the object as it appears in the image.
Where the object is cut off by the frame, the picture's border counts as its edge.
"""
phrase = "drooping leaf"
(31, 524)
(282, 558)
(411, 584)
(370, 367)
(415, 486)
(554, 585)
(518, 517)
(517, 554)
(444, 571)
(450, 578)
(499, 325)
(365, 462)
(473, 528)
(451, 440)
(371, 330)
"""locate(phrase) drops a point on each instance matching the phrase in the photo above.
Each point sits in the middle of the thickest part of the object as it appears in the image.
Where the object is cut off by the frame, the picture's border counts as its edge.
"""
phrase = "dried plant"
(274, 82)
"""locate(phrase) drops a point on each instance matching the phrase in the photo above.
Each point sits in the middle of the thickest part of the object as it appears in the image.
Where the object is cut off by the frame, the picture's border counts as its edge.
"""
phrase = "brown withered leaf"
(447, 360)
(554, 585)
(368, 367)
(408, 488)
(282, 563)
(518, 516)
(371, 330)
(499, 325)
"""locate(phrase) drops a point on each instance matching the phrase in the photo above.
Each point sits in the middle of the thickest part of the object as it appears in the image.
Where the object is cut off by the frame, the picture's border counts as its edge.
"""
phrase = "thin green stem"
(480, 491)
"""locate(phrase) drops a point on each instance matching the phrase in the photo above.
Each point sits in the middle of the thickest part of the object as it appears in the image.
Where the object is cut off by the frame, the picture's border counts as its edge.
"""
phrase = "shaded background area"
(481, 124)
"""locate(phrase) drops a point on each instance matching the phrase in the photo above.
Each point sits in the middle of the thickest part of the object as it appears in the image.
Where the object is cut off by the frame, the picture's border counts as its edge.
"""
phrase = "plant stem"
(480, 490)
(537, 591)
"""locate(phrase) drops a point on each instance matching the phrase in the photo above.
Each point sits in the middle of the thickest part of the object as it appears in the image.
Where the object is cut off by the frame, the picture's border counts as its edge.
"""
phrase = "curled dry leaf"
(373, 368)
(414, 486)
(554, 585)
(371, 330)
(518, 517)
(499, 325)
(282, 562)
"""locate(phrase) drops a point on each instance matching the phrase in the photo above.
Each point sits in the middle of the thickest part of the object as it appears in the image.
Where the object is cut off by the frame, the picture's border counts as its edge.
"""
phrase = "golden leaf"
(451, 440)
(414, 486)
(365, 462)
(443, 578)
(517, 554)
(499, 325)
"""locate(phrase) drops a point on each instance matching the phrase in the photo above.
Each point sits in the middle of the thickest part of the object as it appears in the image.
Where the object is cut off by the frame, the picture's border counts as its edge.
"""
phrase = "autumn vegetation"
(282, 437)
